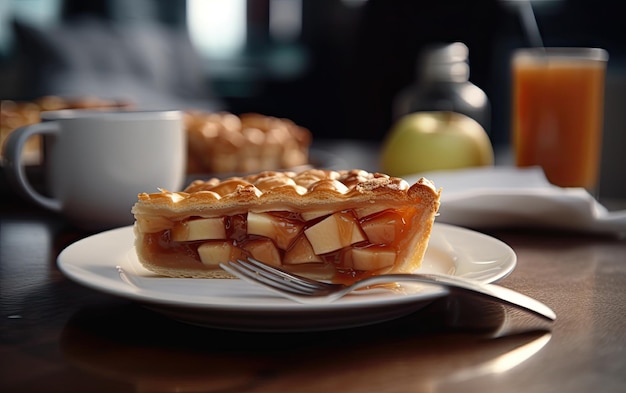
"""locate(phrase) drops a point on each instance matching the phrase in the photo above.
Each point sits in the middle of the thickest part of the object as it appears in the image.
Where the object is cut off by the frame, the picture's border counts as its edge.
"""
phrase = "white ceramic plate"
(235, 304)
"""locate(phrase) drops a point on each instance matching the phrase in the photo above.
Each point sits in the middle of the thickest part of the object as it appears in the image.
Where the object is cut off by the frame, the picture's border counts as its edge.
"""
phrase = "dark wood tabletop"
(59, 336)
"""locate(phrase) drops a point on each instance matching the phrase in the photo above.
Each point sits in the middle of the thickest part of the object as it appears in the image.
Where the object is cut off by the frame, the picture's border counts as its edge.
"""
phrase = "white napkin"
(492, 197)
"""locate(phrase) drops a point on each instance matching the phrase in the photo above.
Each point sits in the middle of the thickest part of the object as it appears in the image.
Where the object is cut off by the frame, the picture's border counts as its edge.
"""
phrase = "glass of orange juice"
(558, 105)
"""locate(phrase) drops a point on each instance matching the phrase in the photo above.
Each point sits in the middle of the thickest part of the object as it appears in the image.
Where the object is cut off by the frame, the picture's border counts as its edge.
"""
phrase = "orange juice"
(558, 112)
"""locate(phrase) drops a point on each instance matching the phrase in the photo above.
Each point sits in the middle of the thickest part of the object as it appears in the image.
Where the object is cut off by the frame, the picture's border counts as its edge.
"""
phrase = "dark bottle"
(442, 84)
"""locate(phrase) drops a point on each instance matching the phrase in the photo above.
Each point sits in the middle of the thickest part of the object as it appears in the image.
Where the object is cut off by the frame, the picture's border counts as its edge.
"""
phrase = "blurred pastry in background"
(226, 143)
(218, 142)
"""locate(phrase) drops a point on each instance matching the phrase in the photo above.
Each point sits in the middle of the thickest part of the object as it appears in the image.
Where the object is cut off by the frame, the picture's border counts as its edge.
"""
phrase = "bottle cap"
(445, 62)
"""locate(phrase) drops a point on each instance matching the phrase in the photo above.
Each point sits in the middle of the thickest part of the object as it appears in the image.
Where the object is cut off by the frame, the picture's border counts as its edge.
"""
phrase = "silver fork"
(305, 290)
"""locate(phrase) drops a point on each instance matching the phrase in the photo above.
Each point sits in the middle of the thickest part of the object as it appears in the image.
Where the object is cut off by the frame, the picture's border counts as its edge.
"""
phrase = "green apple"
(428, 141)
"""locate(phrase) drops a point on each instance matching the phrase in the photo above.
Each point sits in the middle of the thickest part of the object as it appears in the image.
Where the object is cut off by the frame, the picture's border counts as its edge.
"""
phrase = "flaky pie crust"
(306, 191)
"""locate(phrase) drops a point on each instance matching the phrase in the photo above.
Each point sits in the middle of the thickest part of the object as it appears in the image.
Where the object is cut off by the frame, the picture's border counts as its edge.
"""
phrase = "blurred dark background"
(333, 66)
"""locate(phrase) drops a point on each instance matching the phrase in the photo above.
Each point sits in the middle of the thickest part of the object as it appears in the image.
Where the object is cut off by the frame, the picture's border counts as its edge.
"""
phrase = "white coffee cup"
(96, 162)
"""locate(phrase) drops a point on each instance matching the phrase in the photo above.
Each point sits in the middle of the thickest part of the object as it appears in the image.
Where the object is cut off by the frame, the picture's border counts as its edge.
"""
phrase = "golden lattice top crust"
(312, 189)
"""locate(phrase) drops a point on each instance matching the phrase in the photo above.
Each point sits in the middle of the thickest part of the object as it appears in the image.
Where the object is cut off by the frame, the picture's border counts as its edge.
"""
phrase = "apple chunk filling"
(334, 232)
(282, 231)
(353, 246)
(201, 229)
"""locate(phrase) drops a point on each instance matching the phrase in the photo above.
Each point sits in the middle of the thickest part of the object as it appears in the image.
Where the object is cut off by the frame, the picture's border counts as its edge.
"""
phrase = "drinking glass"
(557, 114)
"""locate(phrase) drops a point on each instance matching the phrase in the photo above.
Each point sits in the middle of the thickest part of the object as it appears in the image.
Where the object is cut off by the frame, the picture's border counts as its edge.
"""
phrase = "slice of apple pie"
(334, 225)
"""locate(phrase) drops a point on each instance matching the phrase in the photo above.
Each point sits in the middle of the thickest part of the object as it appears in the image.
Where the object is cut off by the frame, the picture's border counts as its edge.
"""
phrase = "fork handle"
(472, 287)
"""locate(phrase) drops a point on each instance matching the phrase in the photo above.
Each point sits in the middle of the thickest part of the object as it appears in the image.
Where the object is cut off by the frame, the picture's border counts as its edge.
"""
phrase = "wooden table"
(58, 336)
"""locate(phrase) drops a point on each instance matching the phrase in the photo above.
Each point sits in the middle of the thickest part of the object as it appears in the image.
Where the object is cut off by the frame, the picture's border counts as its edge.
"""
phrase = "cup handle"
(16, 173)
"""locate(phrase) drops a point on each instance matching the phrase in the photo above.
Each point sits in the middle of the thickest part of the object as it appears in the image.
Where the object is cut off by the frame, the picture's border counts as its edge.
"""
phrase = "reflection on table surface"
(132, 345)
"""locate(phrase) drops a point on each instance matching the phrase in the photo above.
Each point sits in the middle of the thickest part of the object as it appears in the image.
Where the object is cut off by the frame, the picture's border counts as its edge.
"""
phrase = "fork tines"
(256, 271)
